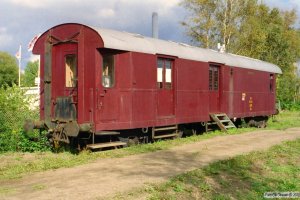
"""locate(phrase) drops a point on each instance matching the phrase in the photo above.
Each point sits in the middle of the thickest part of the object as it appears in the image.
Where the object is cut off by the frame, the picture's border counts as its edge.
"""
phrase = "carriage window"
(168, 68)
(213, 78)
(164, 73)
(271, 83)
(108, 70)
(71, 71)
(216, 78)
(160, 66)
(210, 78)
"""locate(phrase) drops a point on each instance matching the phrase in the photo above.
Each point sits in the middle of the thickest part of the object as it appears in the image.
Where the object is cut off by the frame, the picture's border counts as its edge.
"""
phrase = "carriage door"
(165, 84)
(214, 88)
(108, 97)
(64, 81)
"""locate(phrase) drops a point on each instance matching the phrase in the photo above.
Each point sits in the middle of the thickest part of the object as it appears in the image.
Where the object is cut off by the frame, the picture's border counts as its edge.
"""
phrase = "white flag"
(19, 53)
(32, 42)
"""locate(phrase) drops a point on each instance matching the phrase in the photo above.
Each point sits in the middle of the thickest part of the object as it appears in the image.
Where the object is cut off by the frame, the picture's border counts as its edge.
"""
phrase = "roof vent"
(222, 48)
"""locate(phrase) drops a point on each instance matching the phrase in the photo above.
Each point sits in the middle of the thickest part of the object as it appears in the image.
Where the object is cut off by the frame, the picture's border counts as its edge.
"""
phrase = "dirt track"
(106, 177)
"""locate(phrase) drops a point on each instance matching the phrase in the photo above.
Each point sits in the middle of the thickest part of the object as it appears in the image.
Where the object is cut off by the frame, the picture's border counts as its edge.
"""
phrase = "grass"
(38, 187)
(242, 177)
(15, 165)
(284, 120)
(6, 190)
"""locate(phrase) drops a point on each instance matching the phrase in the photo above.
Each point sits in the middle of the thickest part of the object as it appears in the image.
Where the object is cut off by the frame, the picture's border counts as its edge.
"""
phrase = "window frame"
(213, 77)
(74, 78)
(164, 85)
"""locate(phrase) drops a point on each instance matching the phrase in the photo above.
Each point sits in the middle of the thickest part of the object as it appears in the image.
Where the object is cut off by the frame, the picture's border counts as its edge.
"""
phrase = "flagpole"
(30, 48)
(20, 50)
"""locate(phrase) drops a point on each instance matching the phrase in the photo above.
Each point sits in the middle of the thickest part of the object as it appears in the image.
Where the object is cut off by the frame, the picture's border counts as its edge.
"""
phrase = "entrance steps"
(164, 132)
(222, 120)
(106, 145)
(109, 144)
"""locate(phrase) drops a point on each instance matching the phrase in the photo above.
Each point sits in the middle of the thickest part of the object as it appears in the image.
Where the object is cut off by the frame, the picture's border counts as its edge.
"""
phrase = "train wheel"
(132, 141)
(258, 122)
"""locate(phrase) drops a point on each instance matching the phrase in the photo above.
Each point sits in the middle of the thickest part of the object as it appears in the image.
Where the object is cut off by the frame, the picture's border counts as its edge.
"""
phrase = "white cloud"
(169, 3)
(5, 38)
(284, 4)
(30, 3)
(42, 3)
(160, 3)
(106, 13)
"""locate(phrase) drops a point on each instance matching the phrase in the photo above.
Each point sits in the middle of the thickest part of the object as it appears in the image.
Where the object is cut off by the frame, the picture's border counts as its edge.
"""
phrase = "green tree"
(283, 49)
(213, 22)
(201, 26)
(30, 73)
(228, 15)
(251, 37)
(8, 69)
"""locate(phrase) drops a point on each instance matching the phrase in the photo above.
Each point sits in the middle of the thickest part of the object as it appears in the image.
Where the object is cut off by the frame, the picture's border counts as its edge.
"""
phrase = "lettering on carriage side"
(243, 96)
(250, 104)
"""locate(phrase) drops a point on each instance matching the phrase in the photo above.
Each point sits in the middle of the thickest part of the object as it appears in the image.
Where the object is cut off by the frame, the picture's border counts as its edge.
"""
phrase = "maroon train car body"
(95, 80)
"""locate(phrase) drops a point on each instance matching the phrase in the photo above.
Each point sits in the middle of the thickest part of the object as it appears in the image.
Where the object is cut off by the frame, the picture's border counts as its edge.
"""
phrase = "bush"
(14, 110)
(292, 106)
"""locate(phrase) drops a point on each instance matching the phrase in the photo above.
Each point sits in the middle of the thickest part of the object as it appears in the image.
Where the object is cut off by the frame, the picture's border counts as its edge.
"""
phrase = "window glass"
(160, 63)
(71, 70)
(168, 64)
(210, 78)
(271, 83)
(213, 79)
(168, 75)
(216, 78)
(108, 70)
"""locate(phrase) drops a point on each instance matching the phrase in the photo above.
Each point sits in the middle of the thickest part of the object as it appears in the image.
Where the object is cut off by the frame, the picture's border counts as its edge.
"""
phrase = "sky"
(21, 20)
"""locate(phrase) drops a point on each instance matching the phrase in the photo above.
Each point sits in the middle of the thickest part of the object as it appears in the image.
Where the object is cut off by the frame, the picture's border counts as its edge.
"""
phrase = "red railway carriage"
(104, 82)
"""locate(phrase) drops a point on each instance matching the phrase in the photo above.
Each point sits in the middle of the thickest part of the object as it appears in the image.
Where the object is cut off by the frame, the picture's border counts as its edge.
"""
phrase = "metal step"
(230, 126)
(165, 128)
(164, 132)
(220, 115)
(165, 136)
(105, 144)
(107, 133)
(225, 120)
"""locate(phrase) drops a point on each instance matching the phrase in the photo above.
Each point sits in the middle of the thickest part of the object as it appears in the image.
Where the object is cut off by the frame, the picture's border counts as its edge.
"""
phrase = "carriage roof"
(139, 43)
